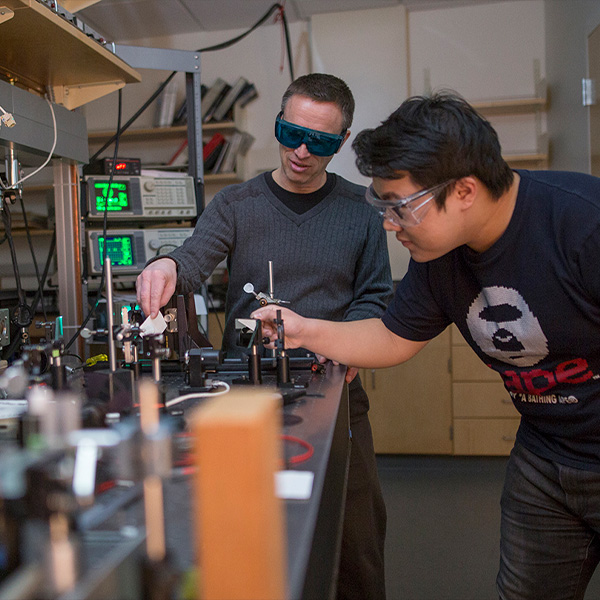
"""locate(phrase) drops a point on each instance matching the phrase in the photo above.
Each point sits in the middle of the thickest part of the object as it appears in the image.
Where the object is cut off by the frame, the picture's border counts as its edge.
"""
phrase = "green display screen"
(118, 197)
(119, 248)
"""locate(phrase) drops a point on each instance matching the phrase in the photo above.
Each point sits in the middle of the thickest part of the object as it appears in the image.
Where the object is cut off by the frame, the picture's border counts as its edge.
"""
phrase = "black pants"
(550, 530)
(361, 572)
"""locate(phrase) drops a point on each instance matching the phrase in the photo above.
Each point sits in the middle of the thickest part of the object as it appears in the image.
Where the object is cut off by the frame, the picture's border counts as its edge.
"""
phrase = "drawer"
(482, 399)
(467, 366)
(485, 437)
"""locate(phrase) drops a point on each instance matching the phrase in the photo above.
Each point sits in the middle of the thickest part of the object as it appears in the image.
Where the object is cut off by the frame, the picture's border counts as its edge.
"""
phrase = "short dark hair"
(435, 139)
(323, 87)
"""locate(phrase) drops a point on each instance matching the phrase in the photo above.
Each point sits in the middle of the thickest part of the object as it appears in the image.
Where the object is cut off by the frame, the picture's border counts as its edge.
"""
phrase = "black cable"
(39, 293)
(33, 258)
(7, 220)
(288, 44)
(220, 46)
(22, 315)
(8, 351)
(104, 226)
(148, 102)
(240, 37)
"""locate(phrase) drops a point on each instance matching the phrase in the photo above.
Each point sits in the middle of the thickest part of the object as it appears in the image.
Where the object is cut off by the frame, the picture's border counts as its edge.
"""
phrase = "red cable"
(299, 457)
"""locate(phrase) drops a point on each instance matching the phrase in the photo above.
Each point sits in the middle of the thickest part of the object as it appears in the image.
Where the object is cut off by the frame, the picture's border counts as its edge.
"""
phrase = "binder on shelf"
(238, 145)
(209, 114)
(180, 157)
(217, 168)
(211, 151)
(246, 96)
(166, 105)
(229, 99)
(211, 96)
(181, 112)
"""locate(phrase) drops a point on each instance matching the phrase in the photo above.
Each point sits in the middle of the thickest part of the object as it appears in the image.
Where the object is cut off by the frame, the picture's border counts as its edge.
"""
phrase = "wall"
(568, 25)
(485, 52)
(343, 43)
(258, 57)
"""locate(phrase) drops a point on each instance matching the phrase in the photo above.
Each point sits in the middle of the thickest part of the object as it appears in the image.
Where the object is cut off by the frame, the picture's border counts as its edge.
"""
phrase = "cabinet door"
(216, 323)
(485, 437)
(411, 404)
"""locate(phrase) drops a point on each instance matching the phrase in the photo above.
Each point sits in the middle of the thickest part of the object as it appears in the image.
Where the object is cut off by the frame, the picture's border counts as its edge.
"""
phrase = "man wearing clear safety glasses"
(330, 261)
(511, 258)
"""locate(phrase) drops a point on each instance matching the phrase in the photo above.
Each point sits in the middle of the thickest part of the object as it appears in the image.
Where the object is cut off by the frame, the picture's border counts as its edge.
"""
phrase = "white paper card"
(294, 485)
(153, 326)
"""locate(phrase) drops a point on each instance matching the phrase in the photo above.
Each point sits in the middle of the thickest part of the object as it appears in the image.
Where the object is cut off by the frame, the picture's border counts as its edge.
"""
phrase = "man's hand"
(351, 372)
(293, 325)
(155, 285)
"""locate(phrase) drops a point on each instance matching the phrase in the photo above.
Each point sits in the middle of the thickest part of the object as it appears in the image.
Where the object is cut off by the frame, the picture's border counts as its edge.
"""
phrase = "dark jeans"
(361, 570)
(550, 543)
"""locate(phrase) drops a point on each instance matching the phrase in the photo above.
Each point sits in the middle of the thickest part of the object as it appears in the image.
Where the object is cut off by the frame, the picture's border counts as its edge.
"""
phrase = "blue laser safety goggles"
(318, 143)
(407, 211)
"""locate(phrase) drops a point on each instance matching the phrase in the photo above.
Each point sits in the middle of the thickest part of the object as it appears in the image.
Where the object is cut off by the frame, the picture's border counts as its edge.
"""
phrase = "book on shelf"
(246, 96)
(238, 145)
(211, 96)
(226, 104)
(217, 168)
(211, 151)
(181, 113)
(208, 115)
(166, 105)
(180, 157)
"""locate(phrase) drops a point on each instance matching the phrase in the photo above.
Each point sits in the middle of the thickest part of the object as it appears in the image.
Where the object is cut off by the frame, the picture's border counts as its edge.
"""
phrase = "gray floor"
(443, 527)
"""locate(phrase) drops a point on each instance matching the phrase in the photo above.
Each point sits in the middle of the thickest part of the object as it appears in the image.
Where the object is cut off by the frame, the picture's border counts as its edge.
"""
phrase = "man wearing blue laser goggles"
(330, 261)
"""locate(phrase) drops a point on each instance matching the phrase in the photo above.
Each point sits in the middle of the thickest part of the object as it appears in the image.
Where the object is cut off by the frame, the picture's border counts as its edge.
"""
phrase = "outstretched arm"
(155, 285)
(367, 343)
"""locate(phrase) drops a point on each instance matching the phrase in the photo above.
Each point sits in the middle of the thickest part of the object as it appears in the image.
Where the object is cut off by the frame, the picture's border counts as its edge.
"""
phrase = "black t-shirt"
(301, 203)
(529, 306)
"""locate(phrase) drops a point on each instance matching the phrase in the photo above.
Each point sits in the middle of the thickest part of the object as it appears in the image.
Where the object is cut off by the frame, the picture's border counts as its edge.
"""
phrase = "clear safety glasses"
(407, 211)
(317, 142)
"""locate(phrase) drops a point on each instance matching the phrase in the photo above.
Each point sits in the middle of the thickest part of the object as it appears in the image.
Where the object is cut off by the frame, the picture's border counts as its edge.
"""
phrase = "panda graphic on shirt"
(503, 326)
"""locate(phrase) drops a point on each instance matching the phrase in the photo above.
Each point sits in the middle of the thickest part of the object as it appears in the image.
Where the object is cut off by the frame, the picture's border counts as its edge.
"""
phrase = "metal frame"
(141, 57)
(32, 138)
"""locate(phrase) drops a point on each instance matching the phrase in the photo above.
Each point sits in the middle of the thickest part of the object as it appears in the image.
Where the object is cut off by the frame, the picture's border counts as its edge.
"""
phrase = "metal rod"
(156, 369)
(112, 355)
(11, 166)
(271, 287)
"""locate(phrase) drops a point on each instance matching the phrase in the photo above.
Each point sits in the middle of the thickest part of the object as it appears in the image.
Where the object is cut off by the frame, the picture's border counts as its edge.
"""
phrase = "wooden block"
(239, 524)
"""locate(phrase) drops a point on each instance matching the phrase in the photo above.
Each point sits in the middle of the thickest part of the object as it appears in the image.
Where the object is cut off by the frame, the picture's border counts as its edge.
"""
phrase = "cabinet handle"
(508, 438)
(372, 379)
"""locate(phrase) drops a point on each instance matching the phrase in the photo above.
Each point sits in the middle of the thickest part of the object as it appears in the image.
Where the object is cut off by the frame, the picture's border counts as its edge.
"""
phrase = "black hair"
(323, 87)
(435, 139)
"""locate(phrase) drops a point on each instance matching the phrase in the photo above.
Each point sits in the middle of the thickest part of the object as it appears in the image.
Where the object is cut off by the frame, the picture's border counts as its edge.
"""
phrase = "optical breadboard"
(130, 249)
(140, 197)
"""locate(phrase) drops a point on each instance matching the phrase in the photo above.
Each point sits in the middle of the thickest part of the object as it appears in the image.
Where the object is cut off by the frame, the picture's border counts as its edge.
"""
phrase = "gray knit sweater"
(330, 262)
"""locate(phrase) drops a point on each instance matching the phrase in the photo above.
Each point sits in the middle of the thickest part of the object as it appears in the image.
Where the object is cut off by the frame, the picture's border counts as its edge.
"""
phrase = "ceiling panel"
(119, 20)
(233, 14)
(129, 19)
(306, 8)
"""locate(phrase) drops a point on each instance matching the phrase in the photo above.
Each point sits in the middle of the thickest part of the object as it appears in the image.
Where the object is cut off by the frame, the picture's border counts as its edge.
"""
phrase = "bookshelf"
(141, 137)
(535, 105)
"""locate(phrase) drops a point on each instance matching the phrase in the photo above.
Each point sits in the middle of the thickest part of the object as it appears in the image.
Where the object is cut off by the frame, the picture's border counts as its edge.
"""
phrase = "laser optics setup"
(96, 462)
(123, 466)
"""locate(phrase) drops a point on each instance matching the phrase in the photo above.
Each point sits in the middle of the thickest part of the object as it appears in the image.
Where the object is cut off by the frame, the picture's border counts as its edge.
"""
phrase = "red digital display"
(120, 166)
